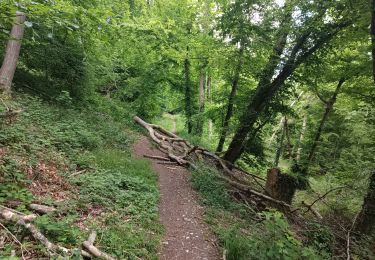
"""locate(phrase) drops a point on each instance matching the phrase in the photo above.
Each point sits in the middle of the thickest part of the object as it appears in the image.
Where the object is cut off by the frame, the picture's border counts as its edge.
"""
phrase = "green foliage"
(121, 188)
(63, 230)
(244, 238)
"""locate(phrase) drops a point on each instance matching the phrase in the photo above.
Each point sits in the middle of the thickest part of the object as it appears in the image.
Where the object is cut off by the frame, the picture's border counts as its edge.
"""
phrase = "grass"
(116, 195)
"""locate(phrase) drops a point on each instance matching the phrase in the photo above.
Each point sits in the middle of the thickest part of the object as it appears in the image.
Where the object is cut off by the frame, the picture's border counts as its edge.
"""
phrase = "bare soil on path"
(187, 237)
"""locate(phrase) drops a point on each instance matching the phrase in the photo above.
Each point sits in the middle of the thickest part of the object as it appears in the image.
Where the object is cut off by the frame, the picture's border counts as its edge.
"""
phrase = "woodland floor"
(186, 235)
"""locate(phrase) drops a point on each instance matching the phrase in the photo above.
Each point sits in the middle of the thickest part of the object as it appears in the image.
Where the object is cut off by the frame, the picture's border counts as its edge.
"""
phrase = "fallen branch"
(15, 240)
(42, 208)
(325, 194)
(18, 219)
(92, 237)
(77, 173)
(10, 213)
(167, 163)
(246, 188)
(96, 252)
(168, 149)
(157, 157)
(310, 208)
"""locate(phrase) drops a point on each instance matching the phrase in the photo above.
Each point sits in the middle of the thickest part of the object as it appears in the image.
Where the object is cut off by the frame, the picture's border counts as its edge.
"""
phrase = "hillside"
(185, 129)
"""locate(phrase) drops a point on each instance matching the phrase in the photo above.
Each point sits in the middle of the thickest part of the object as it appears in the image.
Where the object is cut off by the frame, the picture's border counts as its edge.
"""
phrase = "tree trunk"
(280, 186)
(202, 99)
(229, 113)
(209, 98)
(12, 53)
(269, 85)
(279, 148)
(188, 95)
(329, 107)
(366, 219)
(288, 142)
(264, 91)
(373, 36)
(301, 137)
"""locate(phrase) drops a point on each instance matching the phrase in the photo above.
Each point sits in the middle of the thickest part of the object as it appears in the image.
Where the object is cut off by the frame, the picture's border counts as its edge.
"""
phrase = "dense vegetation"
(285, 84)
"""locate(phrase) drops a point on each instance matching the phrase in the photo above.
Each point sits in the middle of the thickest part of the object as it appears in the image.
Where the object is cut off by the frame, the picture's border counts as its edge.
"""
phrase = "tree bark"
(329, 107)
(188, 94)
(202, 99)
(372, 32)
(280, 186)
(301, 137)
(209, 98)
(229, 113)
(12, 53)
(366, 219)
(279, 148)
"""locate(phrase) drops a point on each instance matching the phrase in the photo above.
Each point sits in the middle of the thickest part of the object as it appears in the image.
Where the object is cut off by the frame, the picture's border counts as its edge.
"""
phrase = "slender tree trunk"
(301, 137)
(372, 31)
(229, 113)
(288, 142)
(366, 219)
(279, 148)
(188, 94)
(202, 99)
(329, 107)
(12, 53)
(209, 98)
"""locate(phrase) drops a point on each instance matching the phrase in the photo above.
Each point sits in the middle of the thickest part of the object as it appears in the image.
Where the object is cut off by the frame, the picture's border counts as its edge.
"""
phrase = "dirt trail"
(187, 237)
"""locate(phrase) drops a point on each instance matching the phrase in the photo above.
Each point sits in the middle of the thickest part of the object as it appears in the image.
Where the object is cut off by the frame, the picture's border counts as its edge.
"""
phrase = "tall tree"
(232, 95)
(188, 93)
(311, 37)
(328, 109)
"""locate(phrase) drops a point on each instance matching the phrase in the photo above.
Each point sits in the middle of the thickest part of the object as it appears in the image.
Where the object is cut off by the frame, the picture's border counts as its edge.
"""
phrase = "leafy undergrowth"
(79, 162)
(245, 234)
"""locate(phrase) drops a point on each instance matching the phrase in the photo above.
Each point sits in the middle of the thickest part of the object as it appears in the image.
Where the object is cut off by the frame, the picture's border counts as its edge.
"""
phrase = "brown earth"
(187, 237)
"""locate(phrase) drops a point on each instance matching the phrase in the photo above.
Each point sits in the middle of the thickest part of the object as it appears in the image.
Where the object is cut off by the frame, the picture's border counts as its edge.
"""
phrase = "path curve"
(187, 237)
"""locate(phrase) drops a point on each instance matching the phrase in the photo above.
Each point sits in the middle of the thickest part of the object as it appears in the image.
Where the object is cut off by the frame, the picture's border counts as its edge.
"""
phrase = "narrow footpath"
(187, 237)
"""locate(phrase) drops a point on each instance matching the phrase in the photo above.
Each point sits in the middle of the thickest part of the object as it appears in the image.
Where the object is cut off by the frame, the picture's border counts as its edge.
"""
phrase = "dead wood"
(170, 144)
(157, 157)
(92, 238)
(42, 208)
(96, 252)
(310, 208)
(21, 220)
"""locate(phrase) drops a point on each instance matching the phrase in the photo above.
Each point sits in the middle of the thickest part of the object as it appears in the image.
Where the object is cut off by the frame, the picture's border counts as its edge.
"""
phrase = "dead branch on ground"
(171, 144)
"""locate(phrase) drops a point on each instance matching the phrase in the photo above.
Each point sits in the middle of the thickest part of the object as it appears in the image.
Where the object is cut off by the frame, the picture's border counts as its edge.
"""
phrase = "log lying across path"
(181, 152)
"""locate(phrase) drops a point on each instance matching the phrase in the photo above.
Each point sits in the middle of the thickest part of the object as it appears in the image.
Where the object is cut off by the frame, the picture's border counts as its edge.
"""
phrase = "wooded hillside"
(269, 103)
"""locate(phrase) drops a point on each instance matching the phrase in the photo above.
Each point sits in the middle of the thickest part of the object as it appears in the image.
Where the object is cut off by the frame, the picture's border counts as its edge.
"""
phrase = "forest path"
(187, 237)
